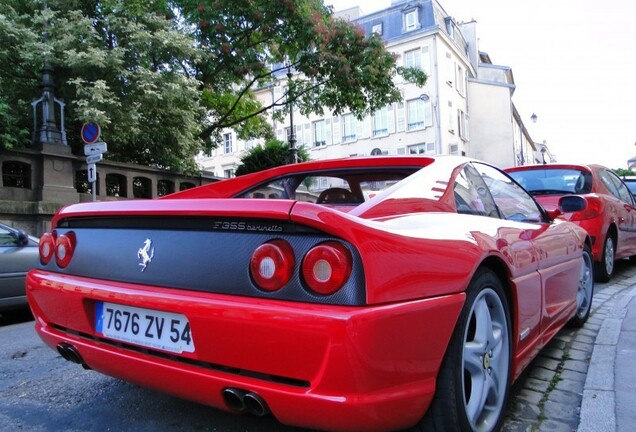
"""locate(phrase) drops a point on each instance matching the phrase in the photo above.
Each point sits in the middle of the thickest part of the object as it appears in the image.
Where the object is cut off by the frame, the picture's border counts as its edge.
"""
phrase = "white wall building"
(465, 108)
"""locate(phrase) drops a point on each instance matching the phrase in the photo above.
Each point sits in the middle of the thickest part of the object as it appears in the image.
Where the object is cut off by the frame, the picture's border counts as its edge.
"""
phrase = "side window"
(6, 238)
(471, 194)
(609, 184)
(273, 190)
(513, 202)
(621, 189)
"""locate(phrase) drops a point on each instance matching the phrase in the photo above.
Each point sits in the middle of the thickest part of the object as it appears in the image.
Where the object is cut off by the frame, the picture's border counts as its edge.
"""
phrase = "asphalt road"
(39, 391)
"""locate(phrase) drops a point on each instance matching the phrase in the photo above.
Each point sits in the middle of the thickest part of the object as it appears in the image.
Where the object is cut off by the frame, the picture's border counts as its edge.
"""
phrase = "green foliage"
(122, 65)
(10, 133)
(18, 82)
(165, 78)
(119, 63)
(274, 153)
(624, 172)
(251, 44)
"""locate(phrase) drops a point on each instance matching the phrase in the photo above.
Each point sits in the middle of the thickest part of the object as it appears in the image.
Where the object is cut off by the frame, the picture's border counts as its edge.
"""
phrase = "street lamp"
(424, 97)
(533, 117)
(293, 151)
(543, 154)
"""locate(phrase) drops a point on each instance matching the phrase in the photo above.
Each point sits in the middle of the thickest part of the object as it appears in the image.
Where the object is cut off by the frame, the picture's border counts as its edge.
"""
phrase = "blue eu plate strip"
(99, 317)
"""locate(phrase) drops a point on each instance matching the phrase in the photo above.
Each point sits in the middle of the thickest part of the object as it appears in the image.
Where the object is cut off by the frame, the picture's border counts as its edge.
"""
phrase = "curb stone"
(598, 408)
(571, 373)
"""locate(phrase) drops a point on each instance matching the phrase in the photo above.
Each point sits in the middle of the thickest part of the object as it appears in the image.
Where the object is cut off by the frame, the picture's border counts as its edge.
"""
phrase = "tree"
(251, 44)
(165, 78)
(624, 172)
(9, 126)
(274, 153)
(18, 83)
(119, 63)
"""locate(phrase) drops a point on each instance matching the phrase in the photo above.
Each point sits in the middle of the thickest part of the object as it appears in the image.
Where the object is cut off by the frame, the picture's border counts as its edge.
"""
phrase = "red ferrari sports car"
(610, 213)
(369, 294)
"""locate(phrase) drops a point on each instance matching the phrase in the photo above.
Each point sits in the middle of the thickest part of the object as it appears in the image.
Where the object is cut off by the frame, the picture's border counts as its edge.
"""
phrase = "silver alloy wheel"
(608, 255)
(485, 361)
(586, 285)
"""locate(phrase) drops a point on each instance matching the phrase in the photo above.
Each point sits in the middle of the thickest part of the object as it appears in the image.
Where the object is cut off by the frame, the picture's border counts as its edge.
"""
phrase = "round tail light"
(47, 247)
(327, 267)
(64, 248)
(272, 265)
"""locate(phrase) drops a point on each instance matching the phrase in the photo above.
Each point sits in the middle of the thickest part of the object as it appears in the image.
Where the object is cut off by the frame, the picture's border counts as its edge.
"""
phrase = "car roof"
(238, 184)
(581, 167)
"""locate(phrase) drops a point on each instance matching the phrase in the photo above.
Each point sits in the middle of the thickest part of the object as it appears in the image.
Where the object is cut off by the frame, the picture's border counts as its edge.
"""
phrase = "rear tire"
(605, 268)
(474, 378)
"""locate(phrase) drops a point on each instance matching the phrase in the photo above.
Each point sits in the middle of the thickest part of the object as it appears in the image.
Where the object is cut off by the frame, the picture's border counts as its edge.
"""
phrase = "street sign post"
(92, 173)
(90, 132)
(94, 158)
(95, 148)
(94, 151)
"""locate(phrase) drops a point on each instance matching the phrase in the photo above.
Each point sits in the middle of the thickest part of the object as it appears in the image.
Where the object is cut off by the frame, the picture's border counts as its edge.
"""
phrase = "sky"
(574, 66)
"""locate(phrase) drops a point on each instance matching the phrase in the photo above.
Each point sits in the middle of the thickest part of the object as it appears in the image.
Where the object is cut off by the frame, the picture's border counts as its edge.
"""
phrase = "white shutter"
(426, 60)
(428, 114)
(401, 123)
(363, 128)
(337, 130)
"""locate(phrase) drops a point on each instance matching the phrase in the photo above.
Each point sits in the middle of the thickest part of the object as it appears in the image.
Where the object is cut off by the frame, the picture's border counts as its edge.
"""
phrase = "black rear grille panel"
(198, 254)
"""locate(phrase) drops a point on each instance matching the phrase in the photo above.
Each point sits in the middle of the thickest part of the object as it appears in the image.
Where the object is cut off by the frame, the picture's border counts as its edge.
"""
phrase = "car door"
(555, 246)
(15, 261)
(624, 209)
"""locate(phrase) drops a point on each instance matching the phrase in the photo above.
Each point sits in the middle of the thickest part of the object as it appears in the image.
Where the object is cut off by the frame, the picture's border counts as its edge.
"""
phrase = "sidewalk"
(609, 396)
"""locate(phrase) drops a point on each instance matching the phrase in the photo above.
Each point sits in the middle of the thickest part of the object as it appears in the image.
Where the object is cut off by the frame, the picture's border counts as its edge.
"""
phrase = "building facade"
(465, 108)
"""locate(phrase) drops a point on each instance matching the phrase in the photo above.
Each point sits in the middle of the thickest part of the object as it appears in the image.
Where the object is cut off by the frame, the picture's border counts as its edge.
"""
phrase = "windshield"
(554, 181)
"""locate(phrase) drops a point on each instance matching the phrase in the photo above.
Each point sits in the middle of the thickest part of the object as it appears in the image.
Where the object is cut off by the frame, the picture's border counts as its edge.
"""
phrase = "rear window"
(344, 187)
(554, 181)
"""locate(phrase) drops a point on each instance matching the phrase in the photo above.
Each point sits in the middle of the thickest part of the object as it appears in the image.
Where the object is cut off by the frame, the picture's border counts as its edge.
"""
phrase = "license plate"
(166, 331)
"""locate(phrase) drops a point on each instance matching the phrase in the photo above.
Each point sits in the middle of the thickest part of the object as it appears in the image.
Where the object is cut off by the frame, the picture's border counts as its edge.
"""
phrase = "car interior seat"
(337, 196)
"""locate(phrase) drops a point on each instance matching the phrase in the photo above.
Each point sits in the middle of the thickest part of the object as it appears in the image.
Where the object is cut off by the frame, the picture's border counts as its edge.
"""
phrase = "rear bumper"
(317, 366)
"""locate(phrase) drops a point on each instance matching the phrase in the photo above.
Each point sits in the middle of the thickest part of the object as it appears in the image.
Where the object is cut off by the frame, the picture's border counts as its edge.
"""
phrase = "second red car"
(610, 215)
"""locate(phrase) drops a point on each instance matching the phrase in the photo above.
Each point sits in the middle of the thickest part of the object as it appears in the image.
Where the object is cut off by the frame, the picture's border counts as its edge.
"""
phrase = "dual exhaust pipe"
(70, 353)
(239, 400)
(244, 401)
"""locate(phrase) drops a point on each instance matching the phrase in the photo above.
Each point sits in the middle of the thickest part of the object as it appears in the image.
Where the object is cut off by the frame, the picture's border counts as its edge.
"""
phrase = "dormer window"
(450, 27)
(377, 29)
(411, 20)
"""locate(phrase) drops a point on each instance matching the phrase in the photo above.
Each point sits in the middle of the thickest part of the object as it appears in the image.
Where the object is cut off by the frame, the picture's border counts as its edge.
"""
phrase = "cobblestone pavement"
(548, 396)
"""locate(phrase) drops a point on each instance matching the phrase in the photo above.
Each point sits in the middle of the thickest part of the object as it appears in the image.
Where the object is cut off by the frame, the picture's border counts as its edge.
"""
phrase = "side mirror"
(22, 238)
(572, 203)
(568, 204)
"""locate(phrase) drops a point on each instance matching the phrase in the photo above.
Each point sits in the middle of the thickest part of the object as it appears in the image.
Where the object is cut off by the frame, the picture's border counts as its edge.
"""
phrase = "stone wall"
(36, 183)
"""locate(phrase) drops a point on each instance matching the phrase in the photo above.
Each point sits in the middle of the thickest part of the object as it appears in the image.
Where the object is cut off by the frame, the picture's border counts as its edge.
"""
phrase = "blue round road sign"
(90, 132)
